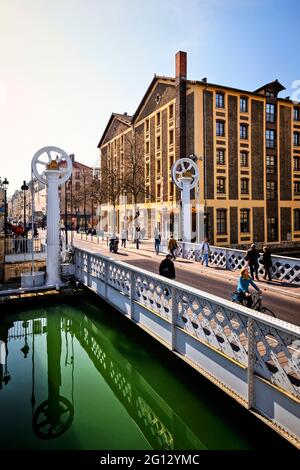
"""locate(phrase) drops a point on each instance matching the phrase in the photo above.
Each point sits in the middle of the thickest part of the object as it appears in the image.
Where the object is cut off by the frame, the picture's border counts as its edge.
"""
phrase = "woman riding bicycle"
(243, 287)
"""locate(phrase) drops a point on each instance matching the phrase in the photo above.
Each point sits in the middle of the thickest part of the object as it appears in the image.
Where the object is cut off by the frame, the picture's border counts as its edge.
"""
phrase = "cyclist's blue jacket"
(243, 284)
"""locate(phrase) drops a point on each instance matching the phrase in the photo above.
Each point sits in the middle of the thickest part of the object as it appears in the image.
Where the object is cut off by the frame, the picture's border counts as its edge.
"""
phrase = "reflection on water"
(73, 377)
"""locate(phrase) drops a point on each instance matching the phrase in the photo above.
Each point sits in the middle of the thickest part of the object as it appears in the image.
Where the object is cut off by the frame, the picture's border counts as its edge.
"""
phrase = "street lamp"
(4, 185)
(24, 188)
(125, 212)
(93, 200)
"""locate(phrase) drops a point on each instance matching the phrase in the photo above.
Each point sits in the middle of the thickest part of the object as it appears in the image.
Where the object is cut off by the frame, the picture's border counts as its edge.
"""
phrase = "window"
(221, 185)
(158, 167)
(77, 175)
(297, 188)
(270, 139)
(147, 170)
(245, 220)
(296, 163)
(271, 190)
(77, 186)
(147, 125)
(171, 189)
(297, 220)
(271, 164)
(158, 190)
(244, 159)
(158, 119)
(171, 111)
(243, 131)
(296, 114)
(243, 105)
(158, 142)
(297, 139)
(220, 128)
(147, 146)
(171, 137)
(171, 160)
(221, 221)
(220, 156)
(270, 94)
(219, 100)
(147, 192)
(272, 228)
(270, 112)
(244, 186)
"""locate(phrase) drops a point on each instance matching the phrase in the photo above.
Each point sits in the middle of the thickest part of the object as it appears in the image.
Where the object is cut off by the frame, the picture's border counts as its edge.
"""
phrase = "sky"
(66, 65)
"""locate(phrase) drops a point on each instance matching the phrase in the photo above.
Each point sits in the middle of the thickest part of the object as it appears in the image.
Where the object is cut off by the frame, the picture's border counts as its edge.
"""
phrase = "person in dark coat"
(267, 262)
(167, 268)
(252, 257)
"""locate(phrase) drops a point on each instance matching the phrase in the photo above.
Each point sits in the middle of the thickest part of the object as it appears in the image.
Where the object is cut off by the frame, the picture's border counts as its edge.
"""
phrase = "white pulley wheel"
(46, 155)
(181, 168)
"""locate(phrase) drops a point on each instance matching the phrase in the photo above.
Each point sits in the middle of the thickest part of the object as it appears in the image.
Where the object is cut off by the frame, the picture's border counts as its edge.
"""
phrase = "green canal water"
(80, 376)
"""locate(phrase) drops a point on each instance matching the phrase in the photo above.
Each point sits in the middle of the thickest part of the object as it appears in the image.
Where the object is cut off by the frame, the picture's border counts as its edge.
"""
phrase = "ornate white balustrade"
(284, 269)
(253, 357)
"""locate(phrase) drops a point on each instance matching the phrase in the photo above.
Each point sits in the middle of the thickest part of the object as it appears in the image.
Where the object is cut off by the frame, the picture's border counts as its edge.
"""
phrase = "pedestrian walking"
(205, 251)
(167, 268)
(267, 262)
(252, 256)
(124, 238)
(172, 247)
(157, 240)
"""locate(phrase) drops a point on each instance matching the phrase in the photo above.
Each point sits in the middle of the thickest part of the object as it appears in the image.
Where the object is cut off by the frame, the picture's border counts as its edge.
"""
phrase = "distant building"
(247, 148)
(75, 201)
(75, 197)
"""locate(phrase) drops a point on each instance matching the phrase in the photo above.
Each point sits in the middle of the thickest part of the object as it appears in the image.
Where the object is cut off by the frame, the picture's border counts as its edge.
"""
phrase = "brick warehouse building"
(247, 148)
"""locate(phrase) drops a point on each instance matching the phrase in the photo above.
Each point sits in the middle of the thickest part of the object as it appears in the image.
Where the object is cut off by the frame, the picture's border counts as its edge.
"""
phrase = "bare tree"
(82, 196)
(134, 173)
(134, 167)
(98, 194)
(112, 187)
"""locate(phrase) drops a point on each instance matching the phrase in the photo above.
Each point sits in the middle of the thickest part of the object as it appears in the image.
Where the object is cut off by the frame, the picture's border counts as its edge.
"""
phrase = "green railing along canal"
(80, 376)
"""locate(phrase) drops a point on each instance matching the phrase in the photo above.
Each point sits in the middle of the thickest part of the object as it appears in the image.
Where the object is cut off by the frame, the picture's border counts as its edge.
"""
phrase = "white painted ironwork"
(254, 357)
(180, 168)
(284, 269)
(52, 166)
(46, 155)
(185, 175)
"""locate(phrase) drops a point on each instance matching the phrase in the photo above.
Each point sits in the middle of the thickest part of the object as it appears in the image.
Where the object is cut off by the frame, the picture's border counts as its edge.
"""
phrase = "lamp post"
(125, 212)
(93, 199)
(24, 188)
(77, 217)
(4, 185)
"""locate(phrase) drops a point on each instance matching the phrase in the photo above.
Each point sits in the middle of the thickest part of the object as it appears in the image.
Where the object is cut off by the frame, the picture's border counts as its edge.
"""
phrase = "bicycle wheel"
(267, 311)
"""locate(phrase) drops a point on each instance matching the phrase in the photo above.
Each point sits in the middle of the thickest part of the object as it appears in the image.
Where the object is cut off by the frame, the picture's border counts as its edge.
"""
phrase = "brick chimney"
(180, 65)
(180, 106)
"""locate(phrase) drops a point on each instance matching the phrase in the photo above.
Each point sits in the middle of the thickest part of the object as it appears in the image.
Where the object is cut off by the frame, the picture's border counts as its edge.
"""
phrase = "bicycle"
(256, 305)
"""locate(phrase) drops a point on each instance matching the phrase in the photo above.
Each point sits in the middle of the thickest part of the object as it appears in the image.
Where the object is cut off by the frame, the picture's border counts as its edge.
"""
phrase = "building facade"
(75, 199)
(247, 148)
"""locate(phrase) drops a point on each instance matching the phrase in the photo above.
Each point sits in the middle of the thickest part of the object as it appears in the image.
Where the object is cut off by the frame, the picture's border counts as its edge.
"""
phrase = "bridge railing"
(284, 269)
(15, 245)
(250, 355)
